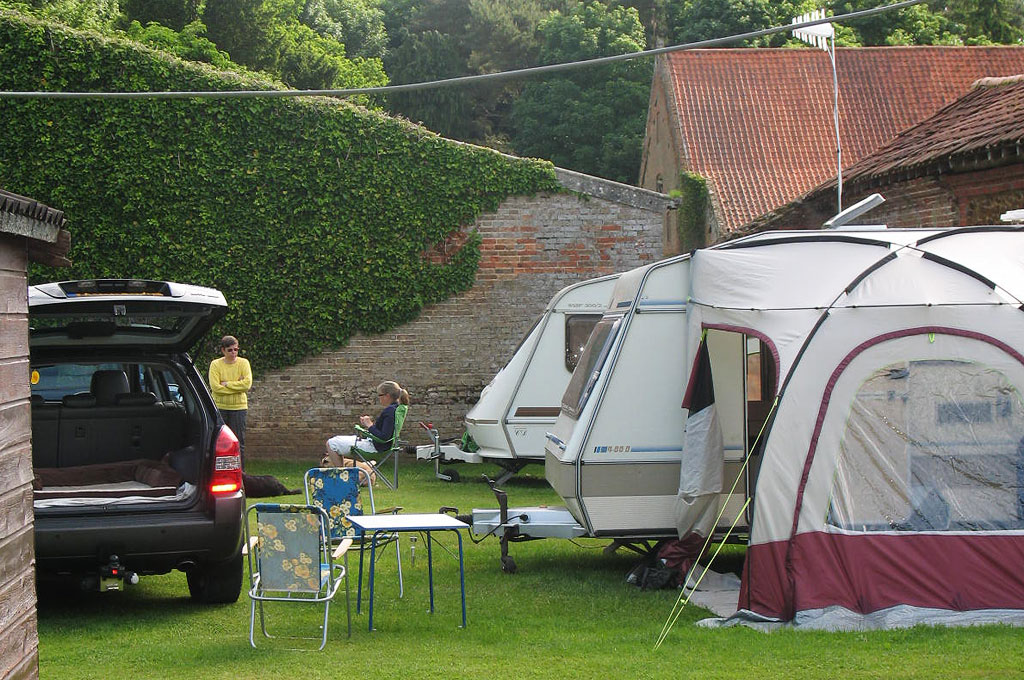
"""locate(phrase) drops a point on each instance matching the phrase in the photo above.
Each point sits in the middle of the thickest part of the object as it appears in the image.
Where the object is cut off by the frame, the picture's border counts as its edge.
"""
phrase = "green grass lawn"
(566, 613)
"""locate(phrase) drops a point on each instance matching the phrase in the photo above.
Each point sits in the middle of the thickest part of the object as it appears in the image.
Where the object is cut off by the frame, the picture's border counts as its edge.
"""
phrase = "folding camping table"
(379, 525)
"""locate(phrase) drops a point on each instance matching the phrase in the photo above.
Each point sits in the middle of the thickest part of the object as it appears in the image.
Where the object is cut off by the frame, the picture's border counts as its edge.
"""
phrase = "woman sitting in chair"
(382, 432)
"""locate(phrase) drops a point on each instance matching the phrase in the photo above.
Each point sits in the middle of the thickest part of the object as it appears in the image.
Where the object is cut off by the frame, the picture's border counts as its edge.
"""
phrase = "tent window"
(577, 331)
(932, 446)
(753, 369)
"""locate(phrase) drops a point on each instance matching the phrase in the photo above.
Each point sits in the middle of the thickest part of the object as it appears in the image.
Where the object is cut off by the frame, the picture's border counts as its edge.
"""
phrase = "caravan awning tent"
(891, 475)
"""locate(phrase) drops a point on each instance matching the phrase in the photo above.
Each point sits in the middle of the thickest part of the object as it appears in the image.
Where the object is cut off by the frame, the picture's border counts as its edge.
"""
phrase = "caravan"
(864, 433)
(614, 453)
(520, 403)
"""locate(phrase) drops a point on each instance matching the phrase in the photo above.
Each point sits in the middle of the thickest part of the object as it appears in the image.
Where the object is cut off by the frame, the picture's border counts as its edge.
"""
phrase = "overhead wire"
(459, 80)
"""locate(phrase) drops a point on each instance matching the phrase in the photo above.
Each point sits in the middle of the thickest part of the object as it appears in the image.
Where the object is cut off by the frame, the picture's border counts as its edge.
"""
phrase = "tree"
(189, 43)
(1001, 21)
(95, 14)
(695, 20)
(245, 30)
(174, 14)
(357, 24)
(424, 57)
(591, 119)
(269, 35)
(958, 22)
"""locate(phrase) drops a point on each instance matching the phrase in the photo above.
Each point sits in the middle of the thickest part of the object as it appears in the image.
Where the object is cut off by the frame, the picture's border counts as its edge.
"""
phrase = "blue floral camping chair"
(336, 490)
(290, 560)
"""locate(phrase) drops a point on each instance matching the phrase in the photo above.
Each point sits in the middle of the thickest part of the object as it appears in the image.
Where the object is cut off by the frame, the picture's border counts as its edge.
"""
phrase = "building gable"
(757, 124)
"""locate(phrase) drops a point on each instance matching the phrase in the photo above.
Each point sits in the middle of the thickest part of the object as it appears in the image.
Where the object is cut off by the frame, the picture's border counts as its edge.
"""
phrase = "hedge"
(316, 217)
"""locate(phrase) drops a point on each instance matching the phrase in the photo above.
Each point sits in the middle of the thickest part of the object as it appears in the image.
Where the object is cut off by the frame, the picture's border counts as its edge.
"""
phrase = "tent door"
(760, 392)
(744, 381)
(726, 351)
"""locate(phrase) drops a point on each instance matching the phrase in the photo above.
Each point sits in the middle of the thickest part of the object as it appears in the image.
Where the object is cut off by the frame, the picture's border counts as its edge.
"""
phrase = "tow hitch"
(115, 577)
(517, 524)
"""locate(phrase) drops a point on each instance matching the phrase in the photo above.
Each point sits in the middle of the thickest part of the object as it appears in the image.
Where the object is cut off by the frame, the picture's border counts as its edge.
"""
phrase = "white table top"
(407, 522)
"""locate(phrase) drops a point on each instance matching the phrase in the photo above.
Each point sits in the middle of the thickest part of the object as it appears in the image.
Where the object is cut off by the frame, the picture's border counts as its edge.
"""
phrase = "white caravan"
(520, 404)
(614, 452)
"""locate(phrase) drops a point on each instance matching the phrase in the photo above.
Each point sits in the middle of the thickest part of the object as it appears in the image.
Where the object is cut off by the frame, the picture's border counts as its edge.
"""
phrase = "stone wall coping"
(616, 192)
(626, 194)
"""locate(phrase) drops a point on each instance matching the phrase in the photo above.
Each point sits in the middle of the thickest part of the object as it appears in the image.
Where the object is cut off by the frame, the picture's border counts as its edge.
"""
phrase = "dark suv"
(134, 470)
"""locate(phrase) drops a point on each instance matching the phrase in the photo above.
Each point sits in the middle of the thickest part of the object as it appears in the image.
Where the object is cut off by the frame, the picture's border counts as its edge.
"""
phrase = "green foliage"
(692, 214)
(189, 43)
(357, 24)
(957, 22)
(174, 14)
(431, 56)
(590, 120)
(242, 28)
(311, 215)
(695, 20)
(270, 36)
(447, 38)
(92, 14)
(998, 21)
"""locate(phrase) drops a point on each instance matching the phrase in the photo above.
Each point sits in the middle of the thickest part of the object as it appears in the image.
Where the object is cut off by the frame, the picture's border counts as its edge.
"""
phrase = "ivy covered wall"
(693, 210)
(316, 217)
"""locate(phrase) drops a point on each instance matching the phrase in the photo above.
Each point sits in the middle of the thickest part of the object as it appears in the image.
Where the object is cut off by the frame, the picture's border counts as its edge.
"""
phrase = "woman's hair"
(228, 341)
(393, 390)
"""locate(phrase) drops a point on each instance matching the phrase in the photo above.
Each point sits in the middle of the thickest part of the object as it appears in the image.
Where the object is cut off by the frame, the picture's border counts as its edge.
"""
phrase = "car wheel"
(219, 583)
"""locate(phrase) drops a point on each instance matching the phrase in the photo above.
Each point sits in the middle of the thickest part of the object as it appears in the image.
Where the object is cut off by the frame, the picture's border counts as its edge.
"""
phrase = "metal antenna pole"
(824, 37)
(835, 116)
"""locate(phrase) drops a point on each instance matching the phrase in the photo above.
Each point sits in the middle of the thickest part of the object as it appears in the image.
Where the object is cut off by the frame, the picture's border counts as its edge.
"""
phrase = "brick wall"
(19, 644)
(531, 248)
(941, 200)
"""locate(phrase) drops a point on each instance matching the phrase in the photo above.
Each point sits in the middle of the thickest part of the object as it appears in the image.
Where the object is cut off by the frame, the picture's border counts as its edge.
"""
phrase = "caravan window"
(589, 367)
(932, 446)
(577, 331)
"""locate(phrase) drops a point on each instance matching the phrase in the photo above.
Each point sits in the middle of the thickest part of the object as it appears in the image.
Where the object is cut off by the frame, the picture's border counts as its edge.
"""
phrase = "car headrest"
(106, 385)
(79, 400)
(137, 399)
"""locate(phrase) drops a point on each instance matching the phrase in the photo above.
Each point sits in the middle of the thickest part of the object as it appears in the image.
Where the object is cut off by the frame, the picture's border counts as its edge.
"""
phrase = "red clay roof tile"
(758, 124)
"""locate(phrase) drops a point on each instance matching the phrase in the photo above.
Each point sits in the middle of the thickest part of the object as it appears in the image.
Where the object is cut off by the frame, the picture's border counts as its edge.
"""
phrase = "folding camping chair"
(290, 560)
(335, 490)
(396, 447)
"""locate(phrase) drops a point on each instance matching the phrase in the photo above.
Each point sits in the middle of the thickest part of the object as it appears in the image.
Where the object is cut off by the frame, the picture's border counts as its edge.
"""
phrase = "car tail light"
(227, 464)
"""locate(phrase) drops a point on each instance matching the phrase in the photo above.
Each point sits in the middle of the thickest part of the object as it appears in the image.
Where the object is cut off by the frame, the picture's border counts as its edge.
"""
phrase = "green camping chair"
(384, 456)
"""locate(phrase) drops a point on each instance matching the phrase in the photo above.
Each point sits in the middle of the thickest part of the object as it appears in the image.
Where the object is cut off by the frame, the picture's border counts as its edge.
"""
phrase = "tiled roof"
(758, 122)
(42, 226)
(14, 204)
(989, 117)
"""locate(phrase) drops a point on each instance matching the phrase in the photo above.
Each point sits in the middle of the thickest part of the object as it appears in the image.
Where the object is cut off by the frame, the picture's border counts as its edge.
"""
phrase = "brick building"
(532, 246)
(33, 232)
(757, 125)
(962, 166)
